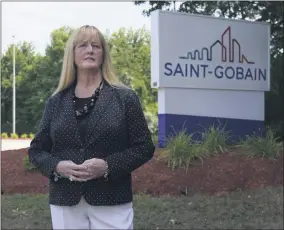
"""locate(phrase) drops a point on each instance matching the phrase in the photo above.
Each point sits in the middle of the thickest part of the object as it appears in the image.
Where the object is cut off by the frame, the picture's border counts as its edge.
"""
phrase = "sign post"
(209, 71)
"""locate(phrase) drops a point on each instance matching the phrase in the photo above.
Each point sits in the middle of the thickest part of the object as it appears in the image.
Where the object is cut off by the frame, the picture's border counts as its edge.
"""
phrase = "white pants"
(85, 216)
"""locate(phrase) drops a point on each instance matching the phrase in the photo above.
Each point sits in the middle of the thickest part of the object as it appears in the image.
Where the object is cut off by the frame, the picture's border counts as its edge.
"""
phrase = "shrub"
(31, 135)
(4, 136)
(24, 136)
(265, 146)
(215, 139)
(181, 150)
(28, 165)
(155, 139)
(152, 121)
(14, 136)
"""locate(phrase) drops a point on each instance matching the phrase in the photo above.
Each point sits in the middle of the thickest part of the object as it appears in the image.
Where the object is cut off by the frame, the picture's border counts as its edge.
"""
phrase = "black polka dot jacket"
(117, 132)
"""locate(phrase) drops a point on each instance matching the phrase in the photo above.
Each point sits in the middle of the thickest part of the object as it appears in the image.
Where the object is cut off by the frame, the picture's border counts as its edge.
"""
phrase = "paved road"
(14, 144)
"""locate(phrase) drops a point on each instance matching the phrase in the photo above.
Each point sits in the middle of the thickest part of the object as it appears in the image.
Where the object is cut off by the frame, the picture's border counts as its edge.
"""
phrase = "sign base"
(195, 110)
(171, 124)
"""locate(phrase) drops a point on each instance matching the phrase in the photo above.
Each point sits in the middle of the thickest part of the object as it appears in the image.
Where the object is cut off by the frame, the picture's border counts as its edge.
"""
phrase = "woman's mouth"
(89, 58)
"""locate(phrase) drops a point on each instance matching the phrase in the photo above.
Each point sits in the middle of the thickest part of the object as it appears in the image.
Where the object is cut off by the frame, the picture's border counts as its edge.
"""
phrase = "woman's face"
(88, 51)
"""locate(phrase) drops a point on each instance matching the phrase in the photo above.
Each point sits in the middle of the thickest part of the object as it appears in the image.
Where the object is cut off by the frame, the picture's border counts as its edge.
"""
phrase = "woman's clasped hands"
(88, 170)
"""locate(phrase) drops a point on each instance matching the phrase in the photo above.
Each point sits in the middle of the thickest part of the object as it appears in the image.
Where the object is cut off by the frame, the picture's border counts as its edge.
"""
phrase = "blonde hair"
(67, 76)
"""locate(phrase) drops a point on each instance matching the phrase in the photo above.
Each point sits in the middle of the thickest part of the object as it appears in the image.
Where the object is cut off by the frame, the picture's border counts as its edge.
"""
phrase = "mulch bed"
(218, 175)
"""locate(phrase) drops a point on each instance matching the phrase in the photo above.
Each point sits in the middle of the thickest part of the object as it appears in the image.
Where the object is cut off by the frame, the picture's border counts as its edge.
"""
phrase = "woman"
(92, 135)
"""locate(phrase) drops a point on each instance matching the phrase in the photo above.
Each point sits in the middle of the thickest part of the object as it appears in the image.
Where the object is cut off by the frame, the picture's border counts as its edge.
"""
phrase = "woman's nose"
(89, 48)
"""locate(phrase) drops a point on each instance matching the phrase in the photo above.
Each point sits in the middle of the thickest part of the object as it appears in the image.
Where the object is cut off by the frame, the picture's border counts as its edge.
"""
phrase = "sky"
(34, 21)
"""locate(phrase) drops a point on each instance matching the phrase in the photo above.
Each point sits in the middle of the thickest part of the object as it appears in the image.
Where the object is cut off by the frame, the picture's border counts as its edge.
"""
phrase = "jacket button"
(82, 150)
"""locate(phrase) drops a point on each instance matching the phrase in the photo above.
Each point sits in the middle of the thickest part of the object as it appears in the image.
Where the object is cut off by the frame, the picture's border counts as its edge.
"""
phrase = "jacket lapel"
(103, 102)
(69, 111)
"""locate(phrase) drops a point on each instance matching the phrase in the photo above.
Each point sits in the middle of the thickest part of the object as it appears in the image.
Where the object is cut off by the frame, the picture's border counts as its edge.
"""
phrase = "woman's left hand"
(95, 167)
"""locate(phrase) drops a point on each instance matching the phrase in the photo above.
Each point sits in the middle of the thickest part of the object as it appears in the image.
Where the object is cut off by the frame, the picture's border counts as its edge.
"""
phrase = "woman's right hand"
(72, 171)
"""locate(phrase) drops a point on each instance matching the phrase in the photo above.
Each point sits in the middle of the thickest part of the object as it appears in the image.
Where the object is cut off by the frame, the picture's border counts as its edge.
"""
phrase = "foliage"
(28, 165)
(215, 139)
(181, 150)
(274, 100)
(152, 121)
(266, 146)
(4, 135)
(130, 52)
(24, 136)
(155, 139)
(14, 136)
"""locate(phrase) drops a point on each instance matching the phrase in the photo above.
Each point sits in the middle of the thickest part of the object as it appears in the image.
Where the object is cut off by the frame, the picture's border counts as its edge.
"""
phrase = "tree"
(24, 62)
(37, 78)
(130, 52)
(46, 72)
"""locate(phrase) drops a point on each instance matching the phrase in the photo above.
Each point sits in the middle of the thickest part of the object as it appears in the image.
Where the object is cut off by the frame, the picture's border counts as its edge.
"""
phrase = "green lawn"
(260, 209)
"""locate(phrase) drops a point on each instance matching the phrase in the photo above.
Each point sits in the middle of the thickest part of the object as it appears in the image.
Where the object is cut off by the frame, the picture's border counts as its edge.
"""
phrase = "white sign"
(194, 51)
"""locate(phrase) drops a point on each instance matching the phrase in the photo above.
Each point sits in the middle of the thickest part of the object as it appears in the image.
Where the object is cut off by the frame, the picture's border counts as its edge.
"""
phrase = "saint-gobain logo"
(228, 51)
(233, 46)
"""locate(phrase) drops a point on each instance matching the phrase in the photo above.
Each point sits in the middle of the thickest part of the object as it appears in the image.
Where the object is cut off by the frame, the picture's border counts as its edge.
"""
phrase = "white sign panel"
(193, 51)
